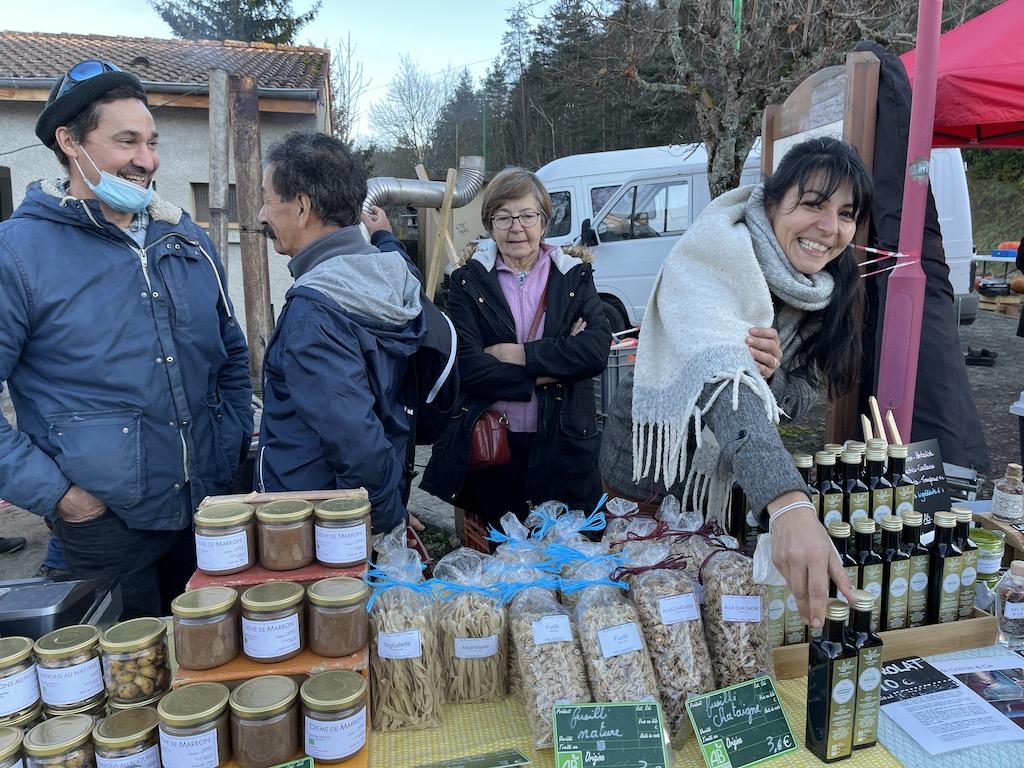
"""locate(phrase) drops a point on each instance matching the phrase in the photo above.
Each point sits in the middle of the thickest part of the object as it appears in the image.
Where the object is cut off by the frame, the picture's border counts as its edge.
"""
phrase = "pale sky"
(436, 33)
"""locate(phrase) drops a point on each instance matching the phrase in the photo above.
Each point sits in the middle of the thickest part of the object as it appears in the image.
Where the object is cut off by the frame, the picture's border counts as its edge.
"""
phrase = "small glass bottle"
(870, 572)
(945, 571)
(839, 532)
(969, 571)
(829, 491)
(856, 496)
(881, 499)
(895, 575)
(1008, 496)
(903, 486)
(869, 669)
(920, 558)
(1010, 606)
(831, 688)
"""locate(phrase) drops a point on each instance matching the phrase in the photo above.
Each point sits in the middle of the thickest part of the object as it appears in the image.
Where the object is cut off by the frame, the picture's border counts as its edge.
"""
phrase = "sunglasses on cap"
(82, 71)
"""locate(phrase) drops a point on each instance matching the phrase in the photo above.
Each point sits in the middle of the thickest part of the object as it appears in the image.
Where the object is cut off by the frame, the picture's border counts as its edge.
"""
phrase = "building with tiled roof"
(292, 84)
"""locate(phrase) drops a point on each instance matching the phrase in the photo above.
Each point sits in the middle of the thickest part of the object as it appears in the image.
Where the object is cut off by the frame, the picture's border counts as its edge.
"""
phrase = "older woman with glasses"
(532, 336)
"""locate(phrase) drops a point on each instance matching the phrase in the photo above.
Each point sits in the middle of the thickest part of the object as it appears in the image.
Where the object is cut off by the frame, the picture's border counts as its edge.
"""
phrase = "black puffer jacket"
(564, 466)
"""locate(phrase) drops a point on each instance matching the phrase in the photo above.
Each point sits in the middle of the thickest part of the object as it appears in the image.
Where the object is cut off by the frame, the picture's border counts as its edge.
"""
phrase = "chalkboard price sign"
(924, 464)
(741, 725)
(618, 735)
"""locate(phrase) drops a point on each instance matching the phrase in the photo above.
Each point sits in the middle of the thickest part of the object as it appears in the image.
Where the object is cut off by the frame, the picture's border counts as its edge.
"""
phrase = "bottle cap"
(913, 518)
(850, 457)
(856, 446)
(864, 525)
(877, 442)
(864, 600)
(1017, 567)
(945, 519)
(839, 530)
(803, 460)
(825, 458)
(834, 448)
(837, 610)
(897, 451)
(1013, 470)
(876, 454)
(963, 514)
(892, 523)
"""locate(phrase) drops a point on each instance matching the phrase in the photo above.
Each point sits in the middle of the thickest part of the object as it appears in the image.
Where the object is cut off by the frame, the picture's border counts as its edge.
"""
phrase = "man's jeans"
(152, 566)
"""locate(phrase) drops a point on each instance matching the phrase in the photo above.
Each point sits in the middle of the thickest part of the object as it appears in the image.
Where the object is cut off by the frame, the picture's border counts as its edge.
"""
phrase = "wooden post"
(449, 246)
(259, 321)
(434, 265)
(220, 126)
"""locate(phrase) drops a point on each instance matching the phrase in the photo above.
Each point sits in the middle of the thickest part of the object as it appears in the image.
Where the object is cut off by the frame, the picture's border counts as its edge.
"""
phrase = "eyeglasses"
(503, 221)
(82, 71)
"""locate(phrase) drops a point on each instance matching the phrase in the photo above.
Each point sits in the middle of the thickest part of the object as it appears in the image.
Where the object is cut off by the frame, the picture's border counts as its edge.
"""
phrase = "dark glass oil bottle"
(920, 557)
(856, 497)
(829, 491)
(870, 568)
(839, 532)
(831, 688)
(945, 567)
(895, 575)
(804, 464)
(869, 670)
(903, 487)
(881, 499)
(969, 571)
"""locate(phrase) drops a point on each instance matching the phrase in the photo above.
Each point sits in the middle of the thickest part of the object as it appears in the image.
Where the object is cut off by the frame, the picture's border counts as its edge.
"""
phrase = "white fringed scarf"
(715, 285)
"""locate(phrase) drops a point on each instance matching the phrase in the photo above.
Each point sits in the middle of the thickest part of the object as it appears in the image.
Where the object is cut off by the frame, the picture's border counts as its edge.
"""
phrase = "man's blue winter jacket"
(128, 371)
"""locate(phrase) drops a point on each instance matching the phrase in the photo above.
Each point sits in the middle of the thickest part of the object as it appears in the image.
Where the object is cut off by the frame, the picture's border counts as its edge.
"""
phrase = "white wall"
(184, 159)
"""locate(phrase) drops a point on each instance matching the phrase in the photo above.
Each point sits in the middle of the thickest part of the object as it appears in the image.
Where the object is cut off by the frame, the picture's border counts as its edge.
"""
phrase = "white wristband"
(773, 516)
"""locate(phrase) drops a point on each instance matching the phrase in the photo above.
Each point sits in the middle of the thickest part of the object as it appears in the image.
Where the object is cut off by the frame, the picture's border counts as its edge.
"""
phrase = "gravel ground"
(994, 388)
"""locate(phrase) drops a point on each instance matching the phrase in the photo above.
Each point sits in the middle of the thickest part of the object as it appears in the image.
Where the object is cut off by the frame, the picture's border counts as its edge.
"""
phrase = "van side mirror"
(587, 234)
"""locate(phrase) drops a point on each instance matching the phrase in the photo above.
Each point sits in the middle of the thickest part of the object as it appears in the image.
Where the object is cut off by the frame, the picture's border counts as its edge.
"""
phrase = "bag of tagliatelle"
(406, 671)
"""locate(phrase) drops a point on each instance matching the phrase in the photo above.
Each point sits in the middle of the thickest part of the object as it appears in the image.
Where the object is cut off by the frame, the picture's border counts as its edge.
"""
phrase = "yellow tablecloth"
(469, 729)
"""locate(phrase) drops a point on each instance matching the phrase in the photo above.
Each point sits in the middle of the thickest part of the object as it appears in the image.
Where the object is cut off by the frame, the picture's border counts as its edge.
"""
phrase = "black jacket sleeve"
(574, 358)
(482, 375)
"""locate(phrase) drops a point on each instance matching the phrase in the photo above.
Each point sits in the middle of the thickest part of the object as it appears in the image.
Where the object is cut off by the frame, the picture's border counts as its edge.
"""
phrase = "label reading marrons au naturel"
(19, 691)
(841, 707)
(149, 758)
(968, 575)
(917, 603)
(70, 685)
(949, 600)
(869, 678)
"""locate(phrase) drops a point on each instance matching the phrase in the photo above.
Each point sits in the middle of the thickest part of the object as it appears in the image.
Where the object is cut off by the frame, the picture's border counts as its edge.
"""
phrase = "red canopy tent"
(979, 97)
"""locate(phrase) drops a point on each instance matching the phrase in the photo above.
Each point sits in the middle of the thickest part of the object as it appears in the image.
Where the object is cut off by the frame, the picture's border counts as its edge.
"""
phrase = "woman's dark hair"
(835, 348)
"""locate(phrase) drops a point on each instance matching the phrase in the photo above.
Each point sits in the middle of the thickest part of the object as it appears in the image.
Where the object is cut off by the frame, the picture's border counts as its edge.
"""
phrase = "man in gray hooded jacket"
(334, 374)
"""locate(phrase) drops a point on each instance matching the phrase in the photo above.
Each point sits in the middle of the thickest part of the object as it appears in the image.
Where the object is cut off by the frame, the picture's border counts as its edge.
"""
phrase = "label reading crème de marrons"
(270, 639)
(199, 751)
(331, 740)
(340, 545)
(222, 553)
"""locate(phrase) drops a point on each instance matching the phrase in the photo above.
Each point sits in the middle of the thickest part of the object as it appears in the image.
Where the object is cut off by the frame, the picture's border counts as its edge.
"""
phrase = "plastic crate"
(621, 359)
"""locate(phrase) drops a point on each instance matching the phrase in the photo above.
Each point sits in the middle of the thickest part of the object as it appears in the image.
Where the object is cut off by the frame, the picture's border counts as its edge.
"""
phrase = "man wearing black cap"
(127, 369)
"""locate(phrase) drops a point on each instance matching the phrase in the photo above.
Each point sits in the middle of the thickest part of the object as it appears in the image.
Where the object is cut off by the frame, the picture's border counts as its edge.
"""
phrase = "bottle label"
(989, 564)
(917, 604)
(199, 751)
(334, 739)
(796, 630)
(881, 504)
(620, 639)
(816, 501)
(222, 553)
(851, 574)
(832, 508)
(149, 758)
(949, 596)
(400, 645)
(340, 545)
(70, 685)
(869, 678)
(1013, 610)
(841, 708)
(19, 691)
(476, 647)
(859, 503)
(552, 629)
(903, 498)
(968, 575)
(871, 581)
(1007, 506)
(898, 598)
(270, 639)
(678, 608)
(777, 614)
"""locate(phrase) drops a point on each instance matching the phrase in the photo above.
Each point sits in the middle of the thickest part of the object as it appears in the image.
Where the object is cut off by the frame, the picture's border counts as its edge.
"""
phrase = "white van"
(631, 205)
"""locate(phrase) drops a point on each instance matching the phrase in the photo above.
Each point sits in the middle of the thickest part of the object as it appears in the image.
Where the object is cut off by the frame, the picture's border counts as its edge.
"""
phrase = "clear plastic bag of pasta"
(580, 561)
(471, 623)
(547, 646)
(669, 608)
(618, 665)
(405, 660)
(735, 619)
(618, 512)
(514, 543)
(554, 523)
(639, 528)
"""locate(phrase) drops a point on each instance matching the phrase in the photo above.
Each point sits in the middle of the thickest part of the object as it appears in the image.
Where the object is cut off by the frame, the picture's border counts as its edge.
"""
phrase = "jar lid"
(10, 742)
(272, 596)
(28, 718)
(337, 590)
(117, 706)
(863, 600)
(14, 649)
(897, 451)
(223, 515)
(193, 704)
(61, 734)
(892, 523)
(334, 690)
(837, 610)
(133, 635)
(284, 511)
(264, 696)
(803, 460)
(839, 530)
(945, 519)
(864, 525)
(125, 728)
(94, 708)
(62, 643)
(963, 514)
(202, 602)
(912, 518)
(343, 509)
(825, 458)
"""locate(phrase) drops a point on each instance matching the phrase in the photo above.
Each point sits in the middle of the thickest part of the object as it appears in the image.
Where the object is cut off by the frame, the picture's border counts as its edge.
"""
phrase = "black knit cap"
(62, 111)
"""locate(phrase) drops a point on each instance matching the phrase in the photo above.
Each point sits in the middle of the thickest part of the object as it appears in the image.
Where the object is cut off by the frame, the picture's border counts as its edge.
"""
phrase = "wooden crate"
(977, 632)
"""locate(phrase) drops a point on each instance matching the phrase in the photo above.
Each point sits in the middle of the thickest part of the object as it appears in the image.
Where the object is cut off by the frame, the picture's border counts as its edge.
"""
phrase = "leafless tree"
(348, 86)
(407, 114)
(731, 69)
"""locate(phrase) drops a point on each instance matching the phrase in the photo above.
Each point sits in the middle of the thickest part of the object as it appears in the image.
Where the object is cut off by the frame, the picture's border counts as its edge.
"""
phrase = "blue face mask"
(119, 194)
